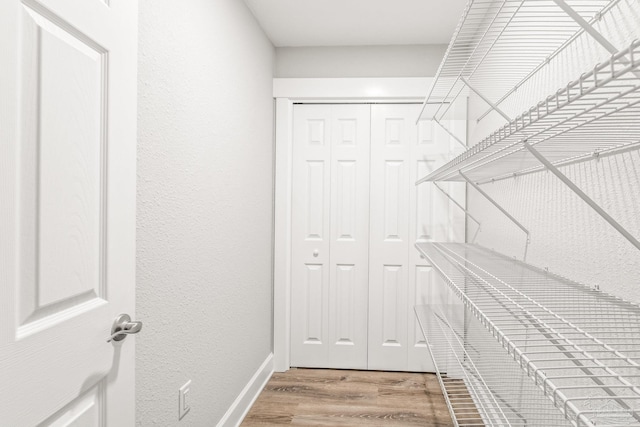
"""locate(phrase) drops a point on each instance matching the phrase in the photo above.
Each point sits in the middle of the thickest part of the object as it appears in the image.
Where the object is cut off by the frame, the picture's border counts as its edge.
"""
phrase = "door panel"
(309, 227)
(349, 248)
(335, 139)
(392, 135)
(393, 306)
(401, 214)
(67, 184)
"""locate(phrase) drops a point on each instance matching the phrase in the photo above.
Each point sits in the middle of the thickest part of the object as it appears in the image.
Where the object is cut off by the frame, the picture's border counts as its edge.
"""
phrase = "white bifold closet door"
(402, 214)
(330, 229)
(356, 275)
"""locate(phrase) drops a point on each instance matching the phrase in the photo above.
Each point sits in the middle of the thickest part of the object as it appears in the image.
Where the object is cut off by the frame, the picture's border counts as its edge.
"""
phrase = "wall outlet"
(183, 396)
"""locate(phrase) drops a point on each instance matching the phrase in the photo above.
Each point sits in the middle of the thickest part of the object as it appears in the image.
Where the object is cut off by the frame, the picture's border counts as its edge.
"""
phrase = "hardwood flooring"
(327, 397)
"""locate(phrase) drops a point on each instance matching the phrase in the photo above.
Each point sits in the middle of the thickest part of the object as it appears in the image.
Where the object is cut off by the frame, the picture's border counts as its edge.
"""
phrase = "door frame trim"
(288, 91)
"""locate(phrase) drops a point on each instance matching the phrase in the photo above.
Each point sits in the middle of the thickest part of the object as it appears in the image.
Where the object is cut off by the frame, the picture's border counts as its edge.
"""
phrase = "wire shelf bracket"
(501, 209)
(586, 26)
(466, 212)
(451, 134)
(615, 224)
(485, 99)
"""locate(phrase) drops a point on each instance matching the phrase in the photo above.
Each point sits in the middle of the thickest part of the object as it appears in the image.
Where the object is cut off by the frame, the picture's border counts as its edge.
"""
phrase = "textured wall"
(567, 236)
(204, 251)
(359, 61)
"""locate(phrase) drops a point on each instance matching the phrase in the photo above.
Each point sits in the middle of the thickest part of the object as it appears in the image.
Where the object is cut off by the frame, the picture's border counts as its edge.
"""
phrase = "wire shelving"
(553, 351)
(580, 347)
(592, 115)
(499, 44)
(482, 384)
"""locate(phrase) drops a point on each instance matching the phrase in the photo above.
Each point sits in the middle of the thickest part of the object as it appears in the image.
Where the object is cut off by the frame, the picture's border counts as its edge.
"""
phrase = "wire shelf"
(481, 384)
(497, 45)
(578, 345)
(592, 115)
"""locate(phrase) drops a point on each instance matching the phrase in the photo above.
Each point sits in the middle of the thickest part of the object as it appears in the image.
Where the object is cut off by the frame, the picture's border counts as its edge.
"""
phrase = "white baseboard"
(240, 407)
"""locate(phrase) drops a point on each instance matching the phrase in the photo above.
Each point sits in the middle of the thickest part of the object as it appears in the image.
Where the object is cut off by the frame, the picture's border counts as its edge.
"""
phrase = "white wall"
(205, 154)
(566, 235)
(359, 61)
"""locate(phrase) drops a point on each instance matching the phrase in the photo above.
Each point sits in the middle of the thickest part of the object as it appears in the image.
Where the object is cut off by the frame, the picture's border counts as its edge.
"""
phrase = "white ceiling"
(357, 22)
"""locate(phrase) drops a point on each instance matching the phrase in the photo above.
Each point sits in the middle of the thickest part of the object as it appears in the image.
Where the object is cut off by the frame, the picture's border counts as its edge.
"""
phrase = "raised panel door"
(330, 236)
(349, 236)
(67, 211)
(402, 214)
(392, 134)
(310, 231)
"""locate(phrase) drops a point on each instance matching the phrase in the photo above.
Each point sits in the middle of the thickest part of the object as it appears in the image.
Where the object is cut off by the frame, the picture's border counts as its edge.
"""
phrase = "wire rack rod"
(597, 112)
(588, 369)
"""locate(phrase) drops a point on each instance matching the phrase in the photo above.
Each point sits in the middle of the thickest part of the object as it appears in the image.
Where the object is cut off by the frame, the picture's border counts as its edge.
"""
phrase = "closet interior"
(555, 83)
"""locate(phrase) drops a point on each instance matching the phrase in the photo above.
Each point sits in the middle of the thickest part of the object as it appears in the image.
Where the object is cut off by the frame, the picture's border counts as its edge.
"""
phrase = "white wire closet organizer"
(594, 114)
(499, 45)
(578, 346)
(556, 352)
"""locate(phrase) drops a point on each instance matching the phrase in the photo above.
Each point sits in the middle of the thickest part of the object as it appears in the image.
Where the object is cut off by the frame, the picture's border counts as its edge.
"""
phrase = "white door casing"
(67, 211)
(330, 236)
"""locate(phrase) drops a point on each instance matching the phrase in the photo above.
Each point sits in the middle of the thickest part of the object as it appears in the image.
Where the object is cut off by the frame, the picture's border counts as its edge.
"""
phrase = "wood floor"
(326, 397)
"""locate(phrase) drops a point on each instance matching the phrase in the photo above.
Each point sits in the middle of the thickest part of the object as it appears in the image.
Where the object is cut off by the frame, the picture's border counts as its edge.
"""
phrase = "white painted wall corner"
(240, 407)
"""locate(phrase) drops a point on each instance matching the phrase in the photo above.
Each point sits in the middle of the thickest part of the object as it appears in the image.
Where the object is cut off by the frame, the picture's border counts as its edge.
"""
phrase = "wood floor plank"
(329, 397)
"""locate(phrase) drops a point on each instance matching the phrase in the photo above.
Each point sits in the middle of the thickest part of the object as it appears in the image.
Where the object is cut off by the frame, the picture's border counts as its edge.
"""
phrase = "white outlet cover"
(183, 393)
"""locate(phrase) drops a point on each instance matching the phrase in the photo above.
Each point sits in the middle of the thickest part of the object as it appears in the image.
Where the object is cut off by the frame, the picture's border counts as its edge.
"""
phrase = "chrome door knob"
(122, 327)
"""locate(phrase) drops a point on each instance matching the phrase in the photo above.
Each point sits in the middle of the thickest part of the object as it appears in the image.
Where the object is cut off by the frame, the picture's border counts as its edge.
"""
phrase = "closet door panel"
(349, 247)
(330, 224)
(310, 230)
(392, 134)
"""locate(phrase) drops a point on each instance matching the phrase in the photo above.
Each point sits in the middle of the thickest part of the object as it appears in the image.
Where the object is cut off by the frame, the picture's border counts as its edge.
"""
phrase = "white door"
(402, 214)
(330, 224)
(352, 288)
(67, 210)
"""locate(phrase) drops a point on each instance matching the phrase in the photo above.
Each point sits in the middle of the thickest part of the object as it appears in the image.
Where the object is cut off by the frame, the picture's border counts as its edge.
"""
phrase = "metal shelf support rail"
(589, 201)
